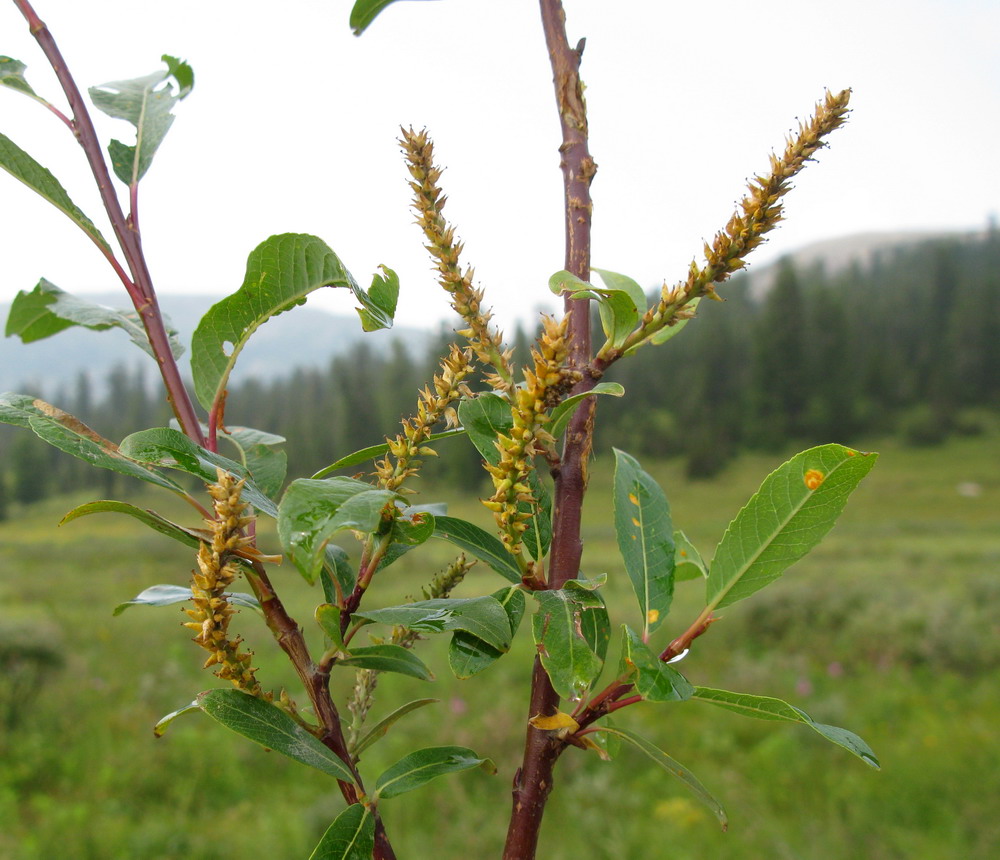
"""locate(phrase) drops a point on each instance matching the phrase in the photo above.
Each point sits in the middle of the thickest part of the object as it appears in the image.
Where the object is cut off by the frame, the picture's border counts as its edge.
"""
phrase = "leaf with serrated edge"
(420, 767)
(271, 727)
(570, 661)
(671, 766)
(654, 680)
(388, 658)
(381, 728)
(783, 520)
(479, 543)
(688, 563)
(350, 837)
(645, 539)
(767, 708)
(483, 617)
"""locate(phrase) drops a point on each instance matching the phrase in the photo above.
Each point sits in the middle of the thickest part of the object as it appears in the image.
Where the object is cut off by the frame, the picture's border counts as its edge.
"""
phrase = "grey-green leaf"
(478, 543)
(350, 837)
(767, 708)
(152, 519)
(420, 767)
(388, 658)
(645, 539)
(12, 75)
(271, 727)
(483, 617)
(167, 595)
(794, 508)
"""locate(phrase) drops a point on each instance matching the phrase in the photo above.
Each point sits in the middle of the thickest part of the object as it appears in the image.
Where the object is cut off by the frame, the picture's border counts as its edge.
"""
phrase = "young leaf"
(374, 452)
(336, 567)
(382, 294)
(645, 539)
(483, 617)
(688, 563)
(618, 302)
(623, 283)
(23, 167)
(468, 655)
(671, 766)
(570, 630)
(420, 767)
(271, 727)
(48, 310)
(478, 543)
(328, 618)
(146, 103)
(794, 508)
(350, 837)
(654, 680)
(167, 595)
(152, 519)
(388, 658)
(12, 75)
(564, 411)
(381, 728)
(281, 272)
(766, 708)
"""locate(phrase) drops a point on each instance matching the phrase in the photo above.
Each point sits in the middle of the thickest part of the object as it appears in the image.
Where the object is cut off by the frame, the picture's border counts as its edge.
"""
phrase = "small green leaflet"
(673, 767)
(166, 595)
(48, 310)
(618, 302)
(146, 103)
(645, 539)
(271, 727)
(483, 617)
(479, 543)
(420, 767)
(571, 632)
(654, 680)
(350, 837)
(163, 723)
(794, 508)
(564, 411)
(23, 167)
(766, 708)
(388, 658)
(281, 273)
(381, 728)
(364, 12)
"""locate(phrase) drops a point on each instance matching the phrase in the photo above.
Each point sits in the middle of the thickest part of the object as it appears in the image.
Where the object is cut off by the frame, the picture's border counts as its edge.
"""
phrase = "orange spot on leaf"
(813, 478)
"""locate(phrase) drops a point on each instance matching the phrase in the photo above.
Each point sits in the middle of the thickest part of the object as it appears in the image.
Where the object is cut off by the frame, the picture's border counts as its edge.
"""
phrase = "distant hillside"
(305, 337)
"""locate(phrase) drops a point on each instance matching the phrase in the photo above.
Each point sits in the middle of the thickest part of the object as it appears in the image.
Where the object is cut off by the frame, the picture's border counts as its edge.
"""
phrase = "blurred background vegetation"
(889, 628)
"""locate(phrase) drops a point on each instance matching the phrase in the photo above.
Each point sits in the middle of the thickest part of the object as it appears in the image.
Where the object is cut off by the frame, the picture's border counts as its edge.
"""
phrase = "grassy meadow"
(889, 628)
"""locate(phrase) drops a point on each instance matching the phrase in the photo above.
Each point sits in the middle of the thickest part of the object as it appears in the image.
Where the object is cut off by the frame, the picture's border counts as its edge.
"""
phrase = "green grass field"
(889, 629)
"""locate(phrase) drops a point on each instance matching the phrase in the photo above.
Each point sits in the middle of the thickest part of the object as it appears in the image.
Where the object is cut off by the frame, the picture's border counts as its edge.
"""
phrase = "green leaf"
(328, 618)
(150, 518)
(766, 708)
(146, 103)
(654, 680)
(375, 452)
(364, 12)
(271, 727)
(311, 512)
(12, 75)
(164, 446)
(468, 655)
(564, 411)
(23, 167)
(257, 451)
(388, 658)
(420, 767)
(48, 310)
(671, 766)
(783, 521)
(688, 563)
(163, 723)
(483, 617)
(618, 303)
(383, 294)
(664, 334)
(350, 837)
(69, 434)
(167, 595)
(645, 539)
(280, 274)
(571, 631)
(478, 543)
(625, 284)
(336, 566)
(381, 728)
(413, 527)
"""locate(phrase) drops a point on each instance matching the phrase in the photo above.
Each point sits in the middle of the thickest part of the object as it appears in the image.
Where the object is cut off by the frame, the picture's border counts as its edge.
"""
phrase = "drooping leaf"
(271, 727)
(383, 293)
(364, 12)
(571, 630)
(381, 728)
(146, 103)
(350, 837)
(23, 167)
(281, 272)
(167, 595)
(374, 452)
(164, 446)
(12, 75)
(483, 617)
(564, 411)
(420, 767)
(654, 680)
(767, 708)
(163, 723)
(150, 518)
(688, 563)
(48, 310)
(794, 508)
(468, 655)
(673, 767)
(311, 512)
(645, 539)
(388, 658)
(478, 543)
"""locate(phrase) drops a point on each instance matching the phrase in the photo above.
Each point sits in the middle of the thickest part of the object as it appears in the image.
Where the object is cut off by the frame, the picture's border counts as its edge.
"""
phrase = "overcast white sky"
(292, 127)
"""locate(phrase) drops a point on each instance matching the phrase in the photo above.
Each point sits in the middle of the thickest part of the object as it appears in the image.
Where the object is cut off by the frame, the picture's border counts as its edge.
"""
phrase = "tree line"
(908, 343)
